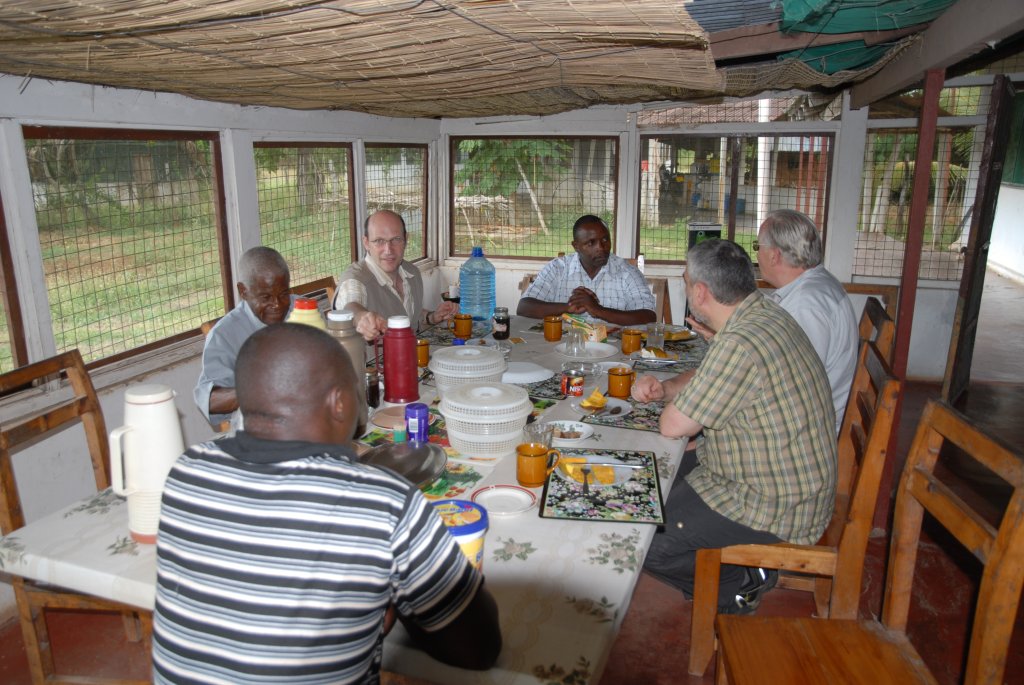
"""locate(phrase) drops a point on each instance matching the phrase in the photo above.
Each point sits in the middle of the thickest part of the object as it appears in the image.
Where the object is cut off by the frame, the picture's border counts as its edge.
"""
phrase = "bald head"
(295, 382)
(261, 263)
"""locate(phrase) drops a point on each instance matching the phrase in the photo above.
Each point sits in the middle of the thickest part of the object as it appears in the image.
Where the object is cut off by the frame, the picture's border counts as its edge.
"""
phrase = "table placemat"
(549, 389)
(634, 496)
(643, 416)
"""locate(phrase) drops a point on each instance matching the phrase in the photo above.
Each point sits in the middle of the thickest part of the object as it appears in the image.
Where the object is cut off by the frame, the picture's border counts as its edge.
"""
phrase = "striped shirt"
(276, 562)
(768, 456)
(618, 285)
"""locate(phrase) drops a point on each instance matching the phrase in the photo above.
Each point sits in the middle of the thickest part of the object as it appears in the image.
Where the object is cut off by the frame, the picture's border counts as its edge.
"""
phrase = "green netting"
(849, 16)
(830, 59)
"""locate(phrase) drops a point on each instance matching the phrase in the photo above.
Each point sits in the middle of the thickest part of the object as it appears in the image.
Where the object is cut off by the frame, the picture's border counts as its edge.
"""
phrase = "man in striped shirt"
(765, 469)
(281, 559)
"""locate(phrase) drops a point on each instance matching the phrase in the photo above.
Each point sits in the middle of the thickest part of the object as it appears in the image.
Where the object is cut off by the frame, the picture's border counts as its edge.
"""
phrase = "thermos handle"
(117, 460)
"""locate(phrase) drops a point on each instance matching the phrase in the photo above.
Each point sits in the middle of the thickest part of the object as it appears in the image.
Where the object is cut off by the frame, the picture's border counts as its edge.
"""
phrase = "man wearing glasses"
(383, 284)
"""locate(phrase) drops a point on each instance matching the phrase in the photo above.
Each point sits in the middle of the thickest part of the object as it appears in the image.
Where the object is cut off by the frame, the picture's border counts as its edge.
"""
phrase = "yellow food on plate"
(654, 353)
(595, 401)
(572, 467)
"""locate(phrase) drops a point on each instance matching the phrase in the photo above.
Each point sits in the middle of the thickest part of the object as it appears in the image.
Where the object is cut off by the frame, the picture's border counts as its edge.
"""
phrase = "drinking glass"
(575, 344)
(656, 335)
(540, 433)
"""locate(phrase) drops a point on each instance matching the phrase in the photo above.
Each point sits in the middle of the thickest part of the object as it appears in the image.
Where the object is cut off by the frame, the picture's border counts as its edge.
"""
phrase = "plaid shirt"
(768, 456)
(619, 284)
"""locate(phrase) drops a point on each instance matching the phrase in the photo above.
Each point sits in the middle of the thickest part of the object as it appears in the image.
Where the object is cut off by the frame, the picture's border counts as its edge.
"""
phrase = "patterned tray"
(637, 499)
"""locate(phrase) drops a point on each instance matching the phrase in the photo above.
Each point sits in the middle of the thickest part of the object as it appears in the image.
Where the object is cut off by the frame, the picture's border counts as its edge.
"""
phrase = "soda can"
(417, 422)
(572, 383)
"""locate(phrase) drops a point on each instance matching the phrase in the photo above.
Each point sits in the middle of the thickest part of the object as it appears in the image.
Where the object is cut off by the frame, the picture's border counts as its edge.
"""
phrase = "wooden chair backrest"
(321, 290)
(80, 405)
(863, 440)
(999, 548)
(876, 325)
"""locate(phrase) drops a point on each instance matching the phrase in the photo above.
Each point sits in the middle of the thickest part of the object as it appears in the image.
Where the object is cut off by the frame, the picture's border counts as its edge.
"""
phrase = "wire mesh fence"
(519, 197)
(396, 179)
(128, 229)
(305, 203)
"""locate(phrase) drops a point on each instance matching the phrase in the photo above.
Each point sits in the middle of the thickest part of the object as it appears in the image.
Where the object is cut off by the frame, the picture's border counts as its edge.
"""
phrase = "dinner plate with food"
(597, 404)
(673, 333)
(655, 355)
(569, 432)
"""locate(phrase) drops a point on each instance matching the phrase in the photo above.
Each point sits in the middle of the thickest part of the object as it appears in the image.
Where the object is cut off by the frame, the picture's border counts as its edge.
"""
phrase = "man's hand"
(584, 300)
(700, 328)
(648, 389)
(370, 325)
(445, 311)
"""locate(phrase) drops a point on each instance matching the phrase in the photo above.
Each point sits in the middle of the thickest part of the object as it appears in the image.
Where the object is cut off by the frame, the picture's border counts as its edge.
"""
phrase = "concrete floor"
(652, 647)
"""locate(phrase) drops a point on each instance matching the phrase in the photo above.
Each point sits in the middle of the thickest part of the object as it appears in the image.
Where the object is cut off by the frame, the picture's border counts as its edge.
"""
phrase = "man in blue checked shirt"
(592, 281)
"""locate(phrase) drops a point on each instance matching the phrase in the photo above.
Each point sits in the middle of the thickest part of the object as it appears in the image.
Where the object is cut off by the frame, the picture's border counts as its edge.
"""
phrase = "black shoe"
(746, 601)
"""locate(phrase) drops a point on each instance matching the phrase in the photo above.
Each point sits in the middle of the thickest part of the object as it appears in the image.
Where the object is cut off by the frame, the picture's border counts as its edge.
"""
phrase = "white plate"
(604, 366)
(583, 429)
(526, 372)
(624, 407)
(504, 500)
(674, 333)
(621, 474)
(655, 360)
(594, 350)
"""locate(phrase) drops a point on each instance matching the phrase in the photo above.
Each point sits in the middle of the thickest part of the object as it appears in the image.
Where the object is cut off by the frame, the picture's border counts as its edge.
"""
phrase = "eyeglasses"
(755, 246)
(395, 242)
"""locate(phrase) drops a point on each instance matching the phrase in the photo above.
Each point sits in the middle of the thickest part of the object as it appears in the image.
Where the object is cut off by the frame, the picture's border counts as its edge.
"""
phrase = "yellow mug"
(534, 463)
(552, 328)
(422, 353)
(631, 340)
(620, 381)
(463, 325)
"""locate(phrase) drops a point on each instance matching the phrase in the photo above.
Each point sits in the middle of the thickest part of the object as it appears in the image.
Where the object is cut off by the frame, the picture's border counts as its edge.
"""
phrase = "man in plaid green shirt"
(765, 469)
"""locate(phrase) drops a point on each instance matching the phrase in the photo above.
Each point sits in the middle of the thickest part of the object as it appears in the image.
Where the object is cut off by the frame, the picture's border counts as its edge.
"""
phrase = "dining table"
(562, 581)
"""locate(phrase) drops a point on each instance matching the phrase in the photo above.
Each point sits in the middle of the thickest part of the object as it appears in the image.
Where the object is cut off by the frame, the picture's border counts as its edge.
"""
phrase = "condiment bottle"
(306, 311)
(342, 328)
(501, 323)
(401, 383)
(372, 388)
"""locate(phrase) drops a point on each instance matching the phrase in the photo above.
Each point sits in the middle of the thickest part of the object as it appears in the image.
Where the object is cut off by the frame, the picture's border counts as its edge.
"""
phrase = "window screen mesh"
(396, 179)
(519, 197)
(686, 187)
(128, 232)
(885, 202)
(305, 207)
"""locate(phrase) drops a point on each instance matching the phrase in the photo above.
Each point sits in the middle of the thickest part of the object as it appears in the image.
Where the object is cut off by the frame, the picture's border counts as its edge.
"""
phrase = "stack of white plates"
(461, 364)
(485, 419)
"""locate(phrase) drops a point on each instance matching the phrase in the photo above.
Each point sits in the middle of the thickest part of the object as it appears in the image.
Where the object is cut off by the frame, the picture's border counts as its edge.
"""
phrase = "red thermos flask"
(401, 383)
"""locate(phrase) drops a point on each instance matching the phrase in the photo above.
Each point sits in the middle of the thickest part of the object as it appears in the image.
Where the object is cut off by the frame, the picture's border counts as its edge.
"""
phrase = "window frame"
(11, 302)
(38, 132)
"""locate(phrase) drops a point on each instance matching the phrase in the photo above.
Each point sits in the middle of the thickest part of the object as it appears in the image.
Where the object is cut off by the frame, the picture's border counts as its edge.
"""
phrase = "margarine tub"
(467, 522)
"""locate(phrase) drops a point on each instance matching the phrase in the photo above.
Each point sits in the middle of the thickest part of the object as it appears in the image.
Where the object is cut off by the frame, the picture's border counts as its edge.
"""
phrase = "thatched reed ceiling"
(426, 58)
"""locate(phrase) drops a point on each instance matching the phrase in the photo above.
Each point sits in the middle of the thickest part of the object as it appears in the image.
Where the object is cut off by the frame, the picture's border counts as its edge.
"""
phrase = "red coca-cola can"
(572, 383)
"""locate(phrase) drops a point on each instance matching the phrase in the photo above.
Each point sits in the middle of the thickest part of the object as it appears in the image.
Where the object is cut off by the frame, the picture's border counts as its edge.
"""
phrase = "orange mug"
(422, 352)
(534, 463)
(631, 340)
(620, 381)
(463, 325)
(552, 328)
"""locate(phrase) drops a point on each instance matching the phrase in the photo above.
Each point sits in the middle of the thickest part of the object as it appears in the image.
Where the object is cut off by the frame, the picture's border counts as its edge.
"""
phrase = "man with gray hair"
(264, 298)
(789, 253)
(764, 470)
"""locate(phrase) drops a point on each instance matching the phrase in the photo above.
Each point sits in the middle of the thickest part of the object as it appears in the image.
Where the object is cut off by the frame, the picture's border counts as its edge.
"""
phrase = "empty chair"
(877, 326)
(754, 649)
(832, 569)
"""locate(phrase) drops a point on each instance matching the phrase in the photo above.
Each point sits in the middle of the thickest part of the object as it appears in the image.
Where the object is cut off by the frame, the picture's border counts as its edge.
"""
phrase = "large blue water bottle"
(476, 286)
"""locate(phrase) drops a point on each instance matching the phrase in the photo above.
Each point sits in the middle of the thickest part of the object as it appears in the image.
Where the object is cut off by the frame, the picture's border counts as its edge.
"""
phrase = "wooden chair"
(756, 649)
(877, 326)
(321, 290)
(831, 569)
(34, 599)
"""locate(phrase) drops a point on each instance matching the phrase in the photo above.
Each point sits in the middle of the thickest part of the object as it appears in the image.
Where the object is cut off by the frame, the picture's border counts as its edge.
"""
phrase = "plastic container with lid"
(457, 365)
(476, 286)
(485, 419)
(306, 311)
(467, 523)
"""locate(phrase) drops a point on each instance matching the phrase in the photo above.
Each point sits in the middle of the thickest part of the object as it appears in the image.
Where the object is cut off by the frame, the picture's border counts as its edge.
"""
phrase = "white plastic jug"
(152, 442)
